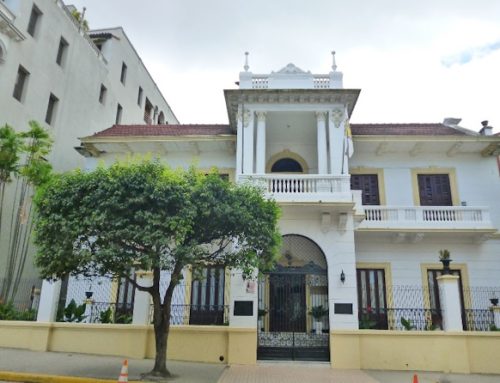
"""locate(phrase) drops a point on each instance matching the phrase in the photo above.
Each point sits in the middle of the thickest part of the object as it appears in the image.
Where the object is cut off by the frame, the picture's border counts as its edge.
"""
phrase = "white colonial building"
(71, 81)
(366, 208)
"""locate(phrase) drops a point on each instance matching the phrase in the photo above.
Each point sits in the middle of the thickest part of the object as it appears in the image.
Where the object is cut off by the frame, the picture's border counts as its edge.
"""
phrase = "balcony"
(299, 188)
(427, 218)
(7, 26)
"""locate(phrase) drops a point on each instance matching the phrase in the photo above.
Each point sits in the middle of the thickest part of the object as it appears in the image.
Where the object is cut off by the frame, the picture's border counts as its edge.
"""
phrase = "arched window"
(161, 118)
(286, 165)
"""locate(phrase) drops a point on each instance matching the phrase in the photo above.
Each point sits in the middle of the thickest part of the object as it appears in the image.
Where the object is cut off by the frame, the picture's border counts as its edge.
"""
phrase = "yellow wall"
(188, 343)
(467, 352)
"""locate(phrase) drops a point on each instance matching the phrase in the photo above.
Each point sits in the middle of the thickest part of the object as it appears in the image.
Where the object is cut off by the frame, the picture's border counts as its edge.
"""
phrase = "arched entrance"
(293, 304)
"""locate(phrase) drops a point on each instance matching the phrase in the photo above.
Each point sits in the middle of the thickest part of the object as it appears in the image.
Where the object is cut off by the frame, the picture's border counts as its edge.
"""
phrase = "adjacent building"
(72, 81)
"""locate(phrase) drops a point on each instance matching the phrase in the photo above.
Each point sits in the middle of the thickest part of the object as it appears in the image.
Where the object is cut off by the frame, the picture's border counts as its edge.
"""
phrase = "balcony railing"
(303, 187)
(418, 217)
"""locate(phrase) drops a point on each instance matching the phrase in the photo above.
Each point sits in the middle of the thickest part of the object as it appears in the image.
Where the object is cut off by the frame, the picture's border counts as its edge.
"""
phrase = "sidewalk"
(70, 366)
(98, 367)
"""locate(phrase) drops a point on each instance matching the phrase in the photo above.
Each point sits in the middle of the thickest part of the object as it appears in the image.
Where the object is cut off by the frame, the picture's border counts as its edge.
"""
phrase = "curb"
(42, 378)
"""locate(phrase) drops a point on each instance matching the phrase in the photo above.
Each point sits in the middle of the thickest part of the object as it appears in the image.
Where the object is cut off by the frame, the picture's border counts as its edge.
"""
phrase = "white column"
(449, 295)
(496, 315)
(336, 135)
(245, 292)
(248, 142)
(260, 163)
(239, 146)
(49, 300)
(142, 299)
(321, 130)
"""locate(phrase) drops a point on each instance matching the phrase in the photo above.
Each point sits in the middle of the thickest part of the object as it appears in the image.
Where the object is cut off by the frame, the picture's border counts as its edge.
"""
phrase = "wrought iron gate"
(285, 330)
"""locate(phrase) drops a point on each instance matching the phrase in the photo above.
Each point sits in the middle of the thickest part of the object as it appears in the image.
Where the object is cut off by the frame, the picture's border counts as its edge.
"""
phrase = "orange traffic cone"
(124, 372)
(415, 378)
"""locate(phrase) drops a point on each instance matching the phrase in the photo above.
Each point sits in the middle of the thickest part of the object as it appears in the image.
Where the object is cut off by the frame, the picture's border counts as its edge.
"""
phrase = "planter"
(494, 301)
(446, 266)
(318, 327)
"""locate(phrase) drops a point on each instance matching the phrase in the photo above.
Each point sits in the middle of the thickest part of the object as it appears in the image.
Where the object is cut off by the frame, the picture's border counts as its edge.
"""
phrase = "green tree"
(32, 173)
(32, 146)
(146, 216)
(10, 151)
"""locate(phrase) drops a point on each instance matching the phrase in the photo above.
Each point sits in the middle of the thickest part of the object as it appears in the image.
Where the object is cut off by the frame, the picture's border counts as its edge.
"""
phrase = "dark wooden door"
(372, 301)
(287, 302)
(434, 190)
(368, 184)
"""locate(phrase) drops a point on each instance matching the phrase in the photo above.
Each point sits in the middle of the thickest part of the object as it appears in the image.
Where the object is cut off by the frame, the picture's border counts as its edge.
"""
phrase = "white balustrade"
(321, 82)
(260, 82)
(308, 186)
(427, 216)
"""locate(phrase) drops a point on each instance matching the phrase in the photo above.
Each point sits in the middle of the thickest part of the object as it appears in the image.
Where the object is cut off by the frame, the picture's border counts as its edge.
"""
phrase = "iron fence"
(105, 312)
(477, 302)
(407, 308)
(25, 297)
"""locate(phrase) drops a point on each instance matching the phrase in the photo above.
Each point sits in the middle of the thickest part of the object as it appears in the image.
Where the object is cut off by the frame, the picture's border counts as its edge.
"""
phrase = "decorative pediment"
(291, 69)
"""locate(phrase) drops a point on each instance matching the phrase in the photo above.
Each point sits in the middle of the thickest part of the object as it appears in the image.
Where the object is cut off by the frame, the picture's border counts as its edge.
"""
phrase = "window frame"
(19, 92)
(123, 74)
(455, 198)
(34, 21)
(380, 180)
(62, 52)
(50, 114)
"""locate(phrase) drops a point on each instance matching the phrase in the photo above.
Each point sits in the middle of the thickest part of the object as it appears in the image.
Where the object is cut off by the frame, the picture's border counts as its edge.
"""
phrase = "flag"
(349, 147)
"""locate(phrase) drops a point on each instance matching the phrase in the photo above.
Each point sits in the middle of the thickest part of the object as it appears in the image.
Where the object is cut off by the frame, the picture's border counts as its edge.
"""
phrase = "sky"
(413, 61)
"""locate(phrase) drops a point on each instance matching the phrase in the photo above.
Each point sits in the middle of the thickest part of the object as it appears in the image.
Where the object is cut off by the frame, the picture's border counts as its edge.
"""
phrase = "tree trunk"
(161, 320)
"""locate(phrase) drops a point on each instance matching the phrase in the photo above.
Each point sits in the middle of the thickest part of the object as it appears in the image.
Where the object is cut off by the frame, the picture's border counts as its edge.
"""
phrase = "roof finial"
(246, 67)
(334, 65)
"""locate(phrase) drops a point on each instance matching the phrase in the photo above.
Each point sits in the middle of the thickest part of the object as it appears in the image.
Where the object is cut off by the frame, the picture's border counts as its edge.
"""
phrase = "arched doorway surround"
(293, 304)
(287, 157)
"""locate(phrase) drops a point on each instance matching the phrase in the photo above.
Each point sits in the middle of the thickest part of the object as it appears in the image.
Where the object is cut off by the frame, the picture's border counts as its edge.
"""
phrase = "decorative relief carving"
(261, 116)
(320, 115)
(337, 116)
(244, 117)
(292, 69)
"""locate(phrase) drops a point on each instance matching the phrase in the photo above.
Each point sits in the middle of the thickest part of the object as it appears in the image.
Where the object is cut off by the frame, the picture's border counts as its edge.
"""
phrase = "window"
(286, 165)
(34, 20)
(161, 118)
(119, 111)
(372, 301)
(51, 109)
(148, 111)
(102, 94)
(21, 79)
(61, 52)
(123, 75)
(207, 297)
(368, 184)
(434, 190)
(139, 97)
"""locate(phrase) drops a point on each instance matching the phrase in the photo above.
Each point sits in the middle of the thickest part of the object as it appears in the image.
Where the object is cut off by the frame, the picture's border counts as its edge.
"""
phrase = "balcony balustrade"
(426, 217)
(302, 187)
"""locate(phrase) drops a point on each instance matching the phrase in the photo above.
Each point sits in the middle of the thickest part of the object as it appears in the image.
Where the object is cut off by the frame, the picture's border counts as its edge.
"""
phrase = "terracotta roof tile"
(164, 130)
(411, 129)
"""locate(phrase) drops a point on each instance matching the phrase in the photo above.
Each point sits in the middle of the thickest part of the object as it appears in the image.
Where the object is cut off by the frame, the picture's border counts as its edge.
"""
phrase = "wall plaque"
(343, 308)
(243, 308)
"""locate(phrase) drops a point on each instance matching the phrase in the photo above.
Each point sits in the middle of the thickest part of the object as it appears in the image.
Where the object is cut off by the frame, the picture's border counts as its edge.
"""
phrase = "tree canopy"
(144, 215)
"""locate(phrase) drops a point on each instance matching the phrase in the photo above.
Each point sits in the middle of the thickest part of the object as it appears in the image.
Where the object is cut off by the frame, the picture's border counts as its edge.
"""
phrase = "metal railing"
(477, 314)
(105, 312)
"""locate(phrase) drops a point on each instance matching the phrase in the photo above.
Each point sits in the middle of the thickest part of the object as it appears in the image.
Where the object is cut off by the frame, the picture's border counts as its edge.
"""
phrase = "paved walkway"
(94, 367)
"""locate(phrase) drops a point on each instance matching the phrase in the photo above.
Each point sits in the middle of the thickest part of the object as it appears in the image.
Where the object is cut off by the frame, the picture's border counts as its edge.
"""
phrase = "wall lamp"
(342, 276)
